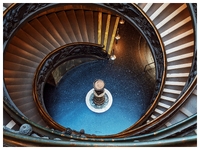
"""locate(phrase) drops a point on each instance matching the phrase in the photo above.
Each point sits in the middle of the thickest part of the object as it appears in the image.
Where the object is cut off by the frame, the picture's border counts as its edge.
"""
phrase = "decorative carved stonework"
(16, 16)
(194, 5)
(32, 7)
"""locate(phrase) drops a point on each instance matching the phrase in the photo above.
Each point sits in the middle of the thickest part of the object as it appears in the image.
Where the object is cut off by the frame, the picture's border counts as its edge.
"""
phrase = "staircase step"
(153, 116)
(16, 88)
(22, 53)
(30, 38)
(141, 5)
(67, 26)
(163, 105)
(177, 75)
(74, 24)
(24, 46)
(18, 81)
(34, 35)
(168, 98)
(171, 91)
(186, 112)
(82, 24)
(158, 11)
(179, 66)
(172, 15)
(18, 67)
(159, 111)
(27, 106)
(36, 117)
(180, 47)
(44, 20)
(89, 21)
(178, 37)
(175, 83)
(147, 6)
(23, 100)
(21, 94)
(45, 33)
(179, 57)
(17, 74)
(63, 37)
(20, 60)
(176, 26)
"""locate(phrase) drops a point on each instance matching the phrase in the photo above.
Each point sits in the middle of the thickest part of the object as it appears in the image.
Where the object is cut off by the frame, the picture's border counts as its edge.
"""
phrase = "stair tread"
(30, 38)
(22, 53)
(179, 57)
(51, 29)
(20, 60)
(65, 23)
(45, 33)
(74, 24)
(33, 36)
(82, 24)
(26, 47)
(163, 105)
(63, 37)
(172, 15)
(17, 74)
(168, 98)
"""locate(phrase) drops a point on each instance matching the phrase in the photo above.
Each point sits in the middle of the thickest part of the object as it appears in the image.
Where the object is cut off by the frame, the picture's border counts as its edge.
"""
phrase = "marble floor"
(130, 87)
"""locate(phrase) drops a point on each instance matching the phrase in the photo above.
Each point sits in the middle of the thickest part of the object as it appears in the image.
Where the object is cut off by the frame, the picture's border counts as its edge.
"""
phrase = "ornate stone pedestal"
(99, 93)
(99, 99)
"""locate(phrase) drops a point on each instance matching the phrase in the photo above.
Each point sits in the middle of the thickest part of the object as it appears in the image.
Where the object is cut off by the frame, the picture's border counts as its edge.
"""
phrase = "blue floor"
(66, 102)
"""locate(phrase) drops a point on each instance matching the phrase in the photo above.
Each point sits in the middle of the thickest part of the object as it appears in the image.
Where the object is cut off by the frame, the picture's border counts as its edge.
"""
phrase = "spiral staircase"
(32, 34)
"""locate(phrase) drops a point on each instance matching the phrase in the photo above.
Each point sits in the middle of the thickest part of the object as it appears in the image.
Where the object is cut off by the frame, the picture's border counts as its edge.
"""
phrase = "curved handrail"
(13, 139)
